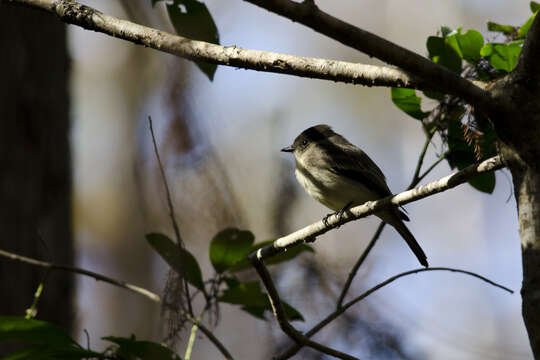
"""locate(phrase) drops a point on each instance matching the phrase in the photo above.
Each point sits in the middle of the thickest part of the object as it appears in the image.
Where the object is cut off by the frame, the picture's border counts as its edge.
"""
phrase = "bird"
(340, 175)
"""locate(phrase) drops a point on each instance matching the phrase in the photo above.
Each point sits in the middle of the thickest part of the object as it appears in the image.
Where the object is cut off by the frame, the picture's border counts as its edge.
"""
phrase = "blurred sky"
(248, 116)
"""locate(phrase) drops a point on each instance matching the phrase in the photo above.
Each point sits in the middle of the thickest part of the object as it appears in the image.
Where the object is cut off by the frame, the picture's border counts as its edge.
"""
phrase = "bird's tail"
(405, 233)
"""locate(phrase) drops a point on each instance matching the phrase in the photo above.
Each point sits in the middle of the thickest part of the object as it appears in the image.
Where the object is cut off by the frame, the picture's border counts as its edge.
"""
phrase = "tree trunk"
(35, 176)
(527, 191)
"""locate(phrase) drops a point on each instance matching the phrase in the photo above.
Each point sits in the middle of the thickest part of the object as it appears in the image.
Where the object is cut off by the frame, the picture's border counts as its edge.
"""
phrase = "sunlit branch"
(438, 77)
(89, 18)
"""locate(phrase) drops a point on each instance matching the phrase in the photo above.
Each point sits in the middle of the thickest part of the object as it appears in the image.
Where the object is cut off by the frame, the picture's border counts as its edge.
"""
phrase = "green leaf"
(154, 2)
(254, 301)
(534, 6)
(247, 294)
(505, 29)
(276, 259)
(470, 44)
(435, 95)
(192, 19)
(49, 341)
(461, 154)
(32, 331)
(524, 29)
(406, 100)
(502, 56)
(179, 259)
(445, 30)
(130, 348)
(442, 52)
(229, 247)
(292, 313)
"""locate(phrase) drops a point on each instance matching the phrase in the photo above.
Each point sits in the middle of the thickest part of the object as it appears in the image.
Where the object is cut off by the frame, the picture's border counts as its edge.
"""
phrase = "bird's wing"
(355, 164)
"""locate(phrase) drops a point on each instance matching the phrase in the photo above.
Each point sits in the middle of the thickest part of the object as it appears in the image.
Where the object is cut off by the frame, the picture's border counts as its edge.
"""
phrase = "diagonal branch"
(277, 308)
(438, 77)
(310, 232)
(292, 350)
(51, 266)
(89, 18)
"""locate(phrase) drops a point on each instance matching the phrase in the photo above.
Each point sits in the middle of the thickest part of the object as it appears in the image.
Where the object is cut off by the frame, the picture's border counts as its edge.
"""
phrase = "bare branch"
(438, 77)
(89, 18)
(359, 263)
(50, 266)
(172, 216)
(279, 313)
(170, 205)
(310, 232)
(292, 350)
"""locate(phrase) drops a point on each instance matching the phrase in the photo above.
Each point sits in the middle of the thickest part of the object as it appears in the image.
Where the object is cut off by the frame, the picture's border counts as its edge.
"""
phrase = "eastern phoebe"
(340, 175)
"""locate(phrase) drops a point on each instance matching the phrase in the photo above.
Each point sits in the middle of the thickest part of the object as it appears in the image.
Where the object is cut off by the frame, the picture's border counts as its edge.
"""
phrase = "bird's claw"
(340, 214)
(325, 219)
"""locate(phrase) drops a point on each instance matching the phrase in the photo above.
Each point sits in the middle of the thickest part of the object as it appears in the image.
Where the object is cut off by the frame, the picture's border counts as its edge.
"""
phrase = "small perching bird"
(340, 175)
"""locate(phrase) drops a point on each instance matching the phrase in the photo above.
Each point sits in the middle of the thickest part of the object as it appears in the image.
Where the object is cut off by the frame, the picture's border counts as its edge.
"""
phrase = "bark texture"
(527, 190)
(35, 180)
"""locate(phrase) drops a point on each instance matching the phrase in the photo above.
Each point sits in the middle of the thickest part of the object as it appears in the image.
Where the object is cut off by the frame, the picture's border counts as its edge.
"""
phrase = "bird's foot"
(325, 219)
(340, 214)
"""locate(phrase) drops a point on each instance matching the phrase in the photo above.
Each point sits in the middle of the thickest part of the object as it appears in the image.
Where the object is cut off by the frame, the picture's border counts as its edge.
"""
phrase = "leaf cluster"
(41, 340)
(228, 253)
(467, 136)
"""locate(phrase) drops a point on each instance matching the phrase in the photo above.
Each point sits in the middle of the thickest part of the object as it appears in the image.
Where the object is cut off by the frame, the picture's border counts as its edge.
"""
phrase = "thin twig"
(211, 337)
(172, 214)
(359, 263)
(192, 336)
(279, 312)
(32, 310)
(47, 265)
(415, 180)
(293, 349)
(437, 162)
(170, 204)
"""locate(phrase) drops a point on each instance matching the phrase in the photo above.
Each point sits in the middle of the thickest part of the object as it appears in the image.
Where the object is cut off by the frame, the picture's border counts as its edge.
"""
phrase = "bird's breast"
(332, 190)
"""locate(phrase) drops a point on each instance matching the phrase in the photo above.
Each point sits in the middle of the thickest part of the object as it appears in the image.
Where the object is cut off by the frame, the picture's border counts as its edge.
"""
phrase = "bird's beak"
(288, 149)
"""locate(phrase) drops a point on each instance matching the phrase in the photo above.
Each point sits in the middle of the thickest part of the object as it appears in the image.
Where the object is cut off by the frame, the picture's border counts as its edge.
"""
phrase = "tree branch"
(296, 347)
(279, 313)
(359, 263)
(75, 13)
(438, 77)
(212, 338)
(310, 232)
(50, 266)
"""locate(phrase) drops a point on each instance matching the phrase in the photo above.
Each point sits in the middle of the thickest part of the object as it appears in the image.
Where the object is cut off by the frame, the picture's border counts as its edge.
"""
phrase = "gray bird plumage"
(338, 174)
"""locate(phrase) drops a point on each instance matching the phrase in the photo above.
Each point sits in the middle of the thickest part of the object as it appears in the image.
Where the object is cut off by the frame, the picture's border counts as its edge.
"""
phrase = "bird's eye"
(304, 143)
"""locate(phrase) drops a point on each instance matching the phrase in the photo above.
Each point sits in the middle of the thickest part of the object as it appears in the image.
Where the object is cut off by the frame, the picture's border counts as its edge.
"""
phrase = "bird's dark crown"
(313, 134)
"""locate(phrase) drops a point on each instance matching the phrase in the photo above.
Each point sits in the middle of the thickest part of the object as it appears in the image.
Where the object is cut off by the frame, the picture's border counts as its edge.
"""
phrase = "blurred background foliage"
(220, 144)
